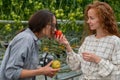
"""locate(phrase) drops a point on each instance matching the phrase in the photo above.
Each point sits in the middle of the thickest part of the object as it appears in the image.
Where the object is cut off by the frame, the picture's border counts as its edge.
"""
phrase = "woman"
(21, 57)
(99, 55)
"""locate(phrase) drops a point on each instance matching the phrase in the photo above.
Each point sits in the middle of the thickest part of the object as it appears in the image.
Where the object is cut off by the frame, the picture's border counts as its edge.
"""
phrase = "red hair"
(106, 16)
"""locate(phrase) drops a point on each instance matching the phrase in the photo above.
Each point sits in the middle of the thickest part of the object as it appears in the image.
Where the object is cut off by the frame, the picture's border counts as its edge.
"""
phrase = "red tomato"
(58, 33)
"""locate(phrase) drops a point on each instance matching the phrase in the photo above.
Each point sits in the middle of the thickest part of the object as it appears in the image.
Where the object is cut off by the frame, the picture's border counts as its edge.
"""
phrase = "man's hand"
(48, 71)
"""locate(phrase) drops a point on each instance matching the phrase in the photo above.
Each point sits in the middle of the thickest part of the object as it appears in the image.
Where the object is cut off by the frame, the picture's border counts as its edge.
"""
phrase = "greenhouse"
(70, 15)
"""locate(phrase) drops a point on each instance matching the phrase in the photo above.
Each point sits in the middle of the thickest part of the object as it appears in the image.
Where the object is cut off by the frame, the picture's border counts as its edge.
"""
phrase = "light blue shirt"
(22, 53)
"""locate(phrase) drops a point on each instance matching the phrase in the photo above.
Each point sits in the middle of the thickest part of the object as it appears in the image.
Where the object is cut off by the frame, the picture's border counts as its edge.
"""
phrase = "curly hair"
(106, 16)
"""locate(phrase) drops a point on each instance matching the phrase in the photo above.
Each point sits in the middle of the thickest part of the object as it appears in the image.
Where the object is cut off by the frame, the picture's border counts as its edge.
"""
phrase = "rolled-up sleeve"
(18, 53)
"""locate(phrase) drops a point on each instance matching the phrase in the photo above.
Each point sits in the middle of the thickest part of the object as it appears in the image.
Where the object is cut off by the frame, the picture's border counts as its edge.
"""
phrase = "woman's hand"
(90, 57)
(63, 40)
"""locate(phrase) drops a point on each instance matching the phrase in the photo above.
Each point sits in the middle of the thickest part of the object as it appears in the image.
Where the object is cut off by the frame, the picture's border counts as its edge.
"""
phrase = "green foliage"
(71, 10)
(22, 9)
(18, 10)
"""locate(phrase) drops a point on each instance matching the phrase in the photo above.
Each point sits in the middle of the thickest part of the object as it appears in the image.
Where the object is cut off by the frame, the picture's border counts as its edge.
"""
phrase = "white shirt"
(108, 48)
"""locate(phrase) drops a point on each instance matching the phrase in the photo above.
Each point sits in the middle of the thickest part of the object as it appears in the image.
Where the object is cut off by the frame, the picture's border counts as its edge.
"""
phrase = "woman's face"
(50, 29)
(93, 20)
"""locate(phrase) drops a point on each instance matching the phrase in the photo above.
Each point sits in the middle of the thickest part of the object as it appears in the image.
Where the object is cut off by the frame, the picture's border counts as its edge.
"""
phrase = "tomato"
(58, 33)
(56, 64)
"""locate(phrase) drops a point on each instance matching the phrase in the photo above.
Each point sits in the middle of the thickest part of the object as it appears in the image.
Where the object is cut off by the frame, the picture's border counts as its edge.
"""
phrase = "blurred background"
(14, 15)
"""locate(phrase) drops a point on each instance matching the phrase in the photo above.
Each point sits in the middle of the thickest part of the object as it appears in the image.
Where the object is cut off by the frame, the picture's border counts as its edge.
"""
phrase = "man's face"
(50, 29)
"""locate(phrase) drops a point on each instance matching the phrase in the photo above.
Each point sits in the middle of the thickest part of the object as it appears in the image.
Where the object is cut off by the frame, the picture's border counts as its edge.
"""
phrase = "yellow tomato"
(56, 64)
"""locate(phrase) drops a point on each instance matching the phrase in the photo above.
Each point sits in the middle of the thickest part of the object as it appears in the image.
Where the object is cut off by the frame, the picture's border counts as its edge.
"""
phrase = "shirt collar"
(34, 36)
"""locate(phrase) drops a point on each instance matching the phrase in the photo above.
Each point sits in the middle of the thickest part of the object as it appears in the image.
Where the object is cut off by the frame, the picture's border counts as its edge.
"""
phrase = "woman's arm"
(74, 59)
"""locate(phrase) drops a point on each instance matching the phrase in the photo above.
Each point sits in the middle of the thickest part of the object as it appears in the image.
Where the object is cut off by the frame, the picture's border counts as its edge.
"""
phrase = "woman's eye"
(91, 18)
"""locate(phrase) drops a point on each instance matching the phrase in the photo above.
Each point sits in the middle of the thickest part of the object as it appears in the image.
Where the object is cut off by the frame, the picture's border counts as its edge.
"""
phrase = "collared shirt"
(22, 53)
(108, 48)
